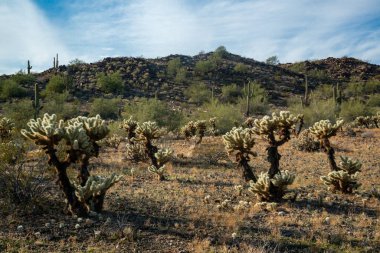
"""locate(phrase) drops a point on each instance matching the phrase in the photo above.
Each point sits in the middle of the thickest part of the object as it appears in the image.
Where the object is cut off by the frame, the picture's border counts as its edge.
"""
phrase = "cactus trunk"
(330, 154)
(246, 169)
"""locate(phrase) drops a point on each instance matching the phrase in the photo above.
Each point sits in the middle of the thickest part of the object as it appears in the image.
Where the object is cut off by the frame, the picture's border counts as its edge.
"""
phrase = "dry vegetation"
(201, 207)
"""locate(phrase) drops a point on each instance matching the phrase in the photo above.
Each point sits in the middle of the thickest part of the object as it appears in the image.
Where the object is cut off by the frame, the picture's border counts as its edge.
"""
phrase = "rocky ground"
(200, 209)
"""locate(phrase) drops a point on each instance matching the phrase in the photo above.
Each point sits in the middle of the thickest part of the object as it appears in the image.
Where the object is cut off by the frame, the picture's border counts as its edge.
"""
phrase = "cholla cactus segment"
(112, 141)
(95, 186)
(349, 165)
(136, 152)
(189, 129)
(341, 180)
(239, 139)
(249, 122)
(163, 155)
(149, 131)
(201, 126)
(325, 129)
(76, 137)
(95, 127)
(45, 131)
(6, 127)
(277, 122)
(306, 142)
(159, 171)
(262, 186)
(129, 125)
(283, 180)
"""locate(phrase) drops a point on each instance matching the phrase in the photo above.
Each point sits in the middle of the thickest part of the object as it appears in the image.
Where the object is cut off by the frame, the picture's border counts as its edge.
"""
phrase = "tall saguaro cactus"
(249, 95)
(80, 136)
(29, 67)
(239, 141)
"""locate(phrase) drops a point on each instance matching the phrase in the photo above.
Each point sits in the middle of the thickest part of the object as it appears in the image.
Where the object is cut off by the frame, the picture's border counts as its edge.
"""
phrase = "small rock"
(327, 220)
(234, 235)
(281, 213)
(20, 228)
(80, 220)
(77, 226)
(89, 221)
(37, 233)
(97, 232)
(61, 225)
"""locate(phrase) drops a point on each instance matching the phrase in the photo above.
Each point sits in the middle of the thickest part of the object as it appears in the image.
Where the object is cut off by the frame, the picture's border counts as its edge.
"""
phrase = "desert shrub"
(356, 89)
(227, 115)
(241, 68)
(112, 83)
(11, 89)
(19, 112)
(349, 110)
(324, 91)
(316, 111)
(154, 110)
(374, 101)
(231, 93)
(198, 93)
(58, 103)
(220, 52)
(24, 79)
(56, 84)
(258, 100)
(305, 142)
(204, 67)
(173, 67)
(181, 75)
(106, 108)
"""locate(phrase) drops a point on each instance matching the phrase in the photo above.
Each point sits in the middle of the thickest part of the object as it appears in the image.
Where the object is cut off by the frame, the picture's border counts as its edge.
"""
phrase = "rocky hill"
(148, 77)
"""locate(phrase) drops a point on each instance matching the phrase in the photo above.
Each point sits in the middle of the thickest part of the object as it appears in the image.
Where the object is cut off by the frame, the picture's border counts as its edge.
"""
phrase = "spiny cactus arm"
(149, 131)
(283, 179)
(76, 137)
(240, 140)
(201, 129)
(159, 171)
(95, 186)
(261, 187)
(95, 127)
(136, 152)
(46, 131)
(163, 156)
(324, 129)
(6, 127)
(130, 126)
(189, 130)
(342, 181)
(349, 165)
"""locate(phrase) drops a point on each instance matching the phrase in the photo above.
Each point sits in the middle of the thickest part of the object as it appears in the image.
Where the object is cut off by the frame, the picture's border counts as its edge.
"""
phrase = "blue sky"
(90, 30)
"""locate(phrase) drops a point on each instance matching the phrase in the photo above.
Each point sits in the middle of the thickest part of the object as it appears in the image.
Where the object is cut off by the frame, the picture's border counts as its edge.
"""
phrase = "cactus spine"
(29, 67)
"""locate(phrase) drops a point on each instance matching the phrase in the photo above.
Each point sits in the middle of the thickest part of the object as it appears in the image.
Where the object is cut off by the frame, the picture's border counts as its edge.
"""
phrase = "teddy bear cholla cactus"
(143, 147)
(323, 130)
(345, 179)
(80, 136)
(277, 130)
(6, 127)
(129, 125)
(239, 141)
(263, 187)
(213, 129)
(194, 128)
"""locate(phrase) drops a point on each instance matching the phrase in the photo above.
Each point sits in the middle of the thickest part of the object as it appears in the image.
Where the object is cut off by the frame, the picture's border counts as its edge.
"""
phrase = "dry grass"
(145, 215)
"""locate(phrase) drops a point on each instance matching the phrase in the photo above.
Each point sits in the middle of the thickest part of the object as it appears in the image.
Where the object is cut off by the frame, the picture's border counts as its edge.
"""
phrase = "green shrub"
(56, 84)
(181, 75)
(316, 111)
(112, 83)
(227, 115)
(231, 93)
(19, 112)
(204, 67)
(154, 110)
(59, 104)
(355, 89)
(374, 101)
(173, 67)
(106, 108)
(11, 89)
(24, 79)
(258, 103)
(198, 93)
(349, 110)
(241, 68)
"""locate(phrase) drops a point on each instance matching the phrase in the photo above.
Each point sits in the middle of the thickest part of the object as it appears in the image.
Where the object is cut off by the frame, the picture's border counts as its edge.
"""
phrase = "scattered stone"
(47, 225)
(281, 213)
(37, 233)
(77, 226)
(80, 220)
(20, 228)
(61, 225)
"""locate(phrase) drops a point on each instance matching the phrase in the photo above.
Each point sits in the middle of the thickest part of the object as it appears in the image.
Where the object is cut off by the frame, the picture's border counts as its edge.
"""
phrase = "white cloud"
(26, 35)
(293, 30)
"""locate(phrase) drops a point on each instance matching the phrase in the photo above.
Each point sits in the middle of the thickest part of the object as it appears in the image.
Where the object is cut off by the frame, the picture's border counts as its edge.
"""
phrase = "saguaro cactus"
(29, 67)
(249, 95)
(239, 141)
(277, 131)
(80, 136)
(305, 101)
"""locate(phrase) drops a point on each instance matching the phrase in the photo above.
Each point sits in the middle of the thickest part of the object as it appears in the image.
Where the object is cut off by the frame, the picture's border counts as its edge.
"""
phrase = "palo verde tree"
(239, 142)
(341, 178)
(277, 130)
(80, 136)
